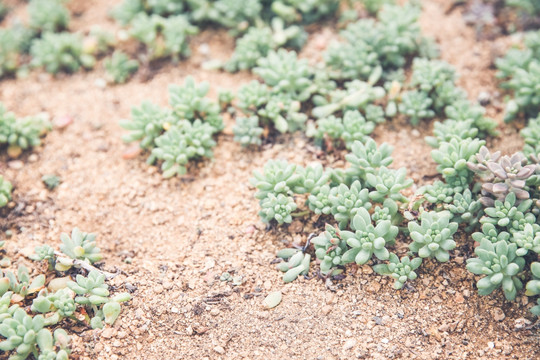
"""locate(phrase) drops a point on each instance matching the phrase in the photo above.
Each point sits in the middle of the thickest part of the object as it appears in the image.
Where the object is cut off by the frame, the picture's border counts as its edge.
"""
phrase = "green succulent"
(356, 95)
(388, 183)
(429, 75)
(452, 157)
(355, 128)
(416, 105)
(81, 246)
(400, 270)
(60, 52)
(278, 177)
(491, 233)
(509, 214)
(463, 110)
(366, 158)
(48, 15)
(181, 143)
(247, 131)
(347, 201)
(21, 283)
(465, 208)
(313, 177)
(254, 45)
(500, 265)
(278, 207)
(531, 136)
(529, 6)
(51, 181)
(119, 67)
(388, 211)
(10, 52)
(91, 289)
(44, 252)
(433, 237)
(47, 345)
(60, 302)
(451, 129)
(439, 193)
(23, 132)
(367, 240)
(284, 112)
(147, 123)
(252, 97)
(533, 286)
(329, 248)
(5, 191)
(296, 263)
(189, 102)
(329, 127)
(527, 239)
(20, 331)
(319, 200)
(284, 73)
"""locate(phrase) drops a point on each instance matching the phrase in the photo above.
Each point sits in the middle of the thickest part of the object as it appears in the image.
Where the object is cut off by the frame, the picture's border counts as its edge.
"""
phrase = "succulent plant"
(284, 112)
(451, 129)
(319, 200)
(81, 246)
(400, 270)
(189, 102)
(91, 289)
(254, 45)
(356, 95)
(278, 207)
(278, 177)
(181, 143)
(48, 347)
(527, 239)
(252, 96)
(5, 191)
(491, 233)
(48, 15)
(416, 105)
(367, 240)
(284, 73)
(433, 237)
(247, 131)
(428, 75)
(463, 110)
(21, 284)
(509, 213)
(452, 157)
(20, 331)
(502, 175)
(313, 177)
(533, 286)
(347, 201)
(10, 52)
(329, 248)
(531, 136)
(500, 265)
(355, 128)
(388, 184)
(60, 52)
(296, 264)
(148, 122)
(51, 181)
(60, 302)
(366, 158)
(465, 208)
(388, 211)
(21, 134)
(120, 67)
(438, 193)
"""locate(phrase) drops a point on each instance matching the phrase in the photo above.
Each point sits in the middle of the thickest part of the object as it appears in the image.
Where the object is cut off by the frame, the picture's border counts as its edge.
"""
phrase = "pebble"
(491, 344)
(158, 289)
(15, 164)
(214, 312)
(498, 314)
(349, 344)
(108, 333)
(62, 122)
(131, 152)
(33, 158)
(219, 350)
(326, 309)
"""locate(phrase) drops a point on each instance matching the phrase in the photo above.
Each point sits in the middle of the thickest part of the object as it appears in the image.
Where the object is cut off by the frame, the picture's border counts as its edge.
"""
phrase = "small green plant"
(21, 134)
(48, 15)
(51, 181)
(296, 263)
(60, 52)
(500, 265)
(330, 248)
(120, 67)
(5, 191)
(433, 237)
(247, 131)
(181, 134)
(400, 270)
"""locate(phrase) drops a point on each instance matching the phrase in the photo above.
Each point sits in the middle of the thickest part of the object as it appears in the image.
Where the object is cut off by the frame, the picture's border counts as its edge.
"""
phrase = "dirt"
(182, 234)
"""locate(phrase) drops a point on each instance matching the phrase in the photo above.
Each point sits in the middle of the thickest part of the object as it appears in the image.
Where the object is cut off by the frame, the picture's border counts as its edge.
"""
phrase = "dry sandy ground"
(183, 233)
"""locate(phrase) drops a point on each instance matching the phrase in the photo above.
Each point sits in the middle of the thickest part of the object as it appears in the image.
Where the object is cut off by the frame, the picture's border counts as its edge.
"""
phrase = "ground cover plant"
(364, 197)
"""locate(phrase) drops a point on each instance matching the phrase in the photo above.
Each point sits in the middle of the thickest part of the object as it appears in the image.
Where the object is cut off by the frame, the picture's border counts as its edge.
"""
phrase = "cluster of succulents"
(178, 135)
(165, 26)
(530, 7)
(520, 71)
(31, 306)
(5, 191)
(369, 44)
(23, 133)
(119, 67)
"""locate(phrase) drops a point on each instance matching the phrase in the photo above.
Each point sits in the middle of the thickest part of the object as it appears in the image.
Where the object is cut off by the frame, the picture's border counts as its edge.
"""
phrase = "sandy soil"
(183, 233)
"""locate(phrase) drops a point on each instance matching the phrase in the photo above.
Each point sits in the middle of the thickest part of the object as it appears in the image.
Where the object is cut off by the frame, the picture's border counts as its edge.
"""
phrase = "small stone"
(296, 227)
(15, 164)
(348, 333)
(326, 309)
(158, 289)
(385, 341)
(498, 314)
(33, 158)
(132, 152)
(415, 133)
(108, 333)
(14, 151)
(63, 121)
(214, 312)
(459, 299)
(219, 350)
(437, 299)
(521, 323)
(491, 344)
(349, 344)
(189, 331)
